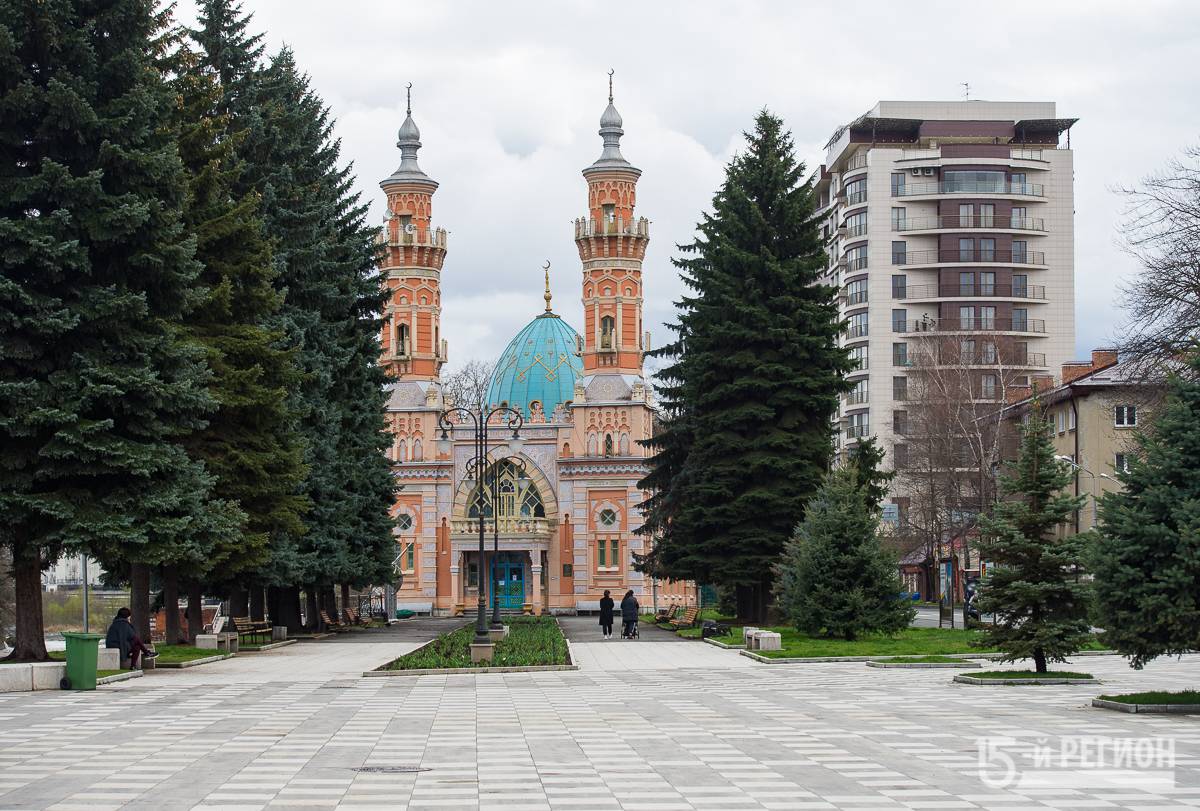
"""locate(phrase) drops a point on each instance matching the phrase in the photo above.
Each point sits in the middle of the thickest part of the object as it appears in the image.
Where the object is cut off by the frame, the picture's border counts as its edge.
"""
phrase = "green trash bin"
(82, 652)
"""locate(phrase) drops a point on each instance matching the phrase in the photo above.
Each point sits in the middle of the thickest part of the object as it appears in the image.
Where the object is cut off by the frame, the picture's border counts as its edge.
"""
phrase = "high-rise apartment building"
(950, 233)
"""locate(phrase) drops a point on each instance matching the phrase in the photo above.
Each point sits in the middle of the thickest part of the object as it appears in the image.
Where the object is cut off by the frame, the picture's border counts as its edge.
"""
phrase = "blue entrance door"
(509, 577)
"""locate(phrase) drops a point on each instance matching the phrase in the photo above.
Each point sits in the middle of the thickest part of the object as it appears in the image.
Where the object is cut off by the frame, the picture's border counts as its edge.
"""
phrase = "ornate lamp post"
(520, 466)
(476, 469)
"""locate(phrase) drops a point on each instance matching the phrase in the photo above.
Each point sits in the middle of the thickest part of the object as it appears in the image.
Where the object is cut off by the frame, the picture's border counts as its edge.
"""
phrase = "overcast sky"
(508, 97)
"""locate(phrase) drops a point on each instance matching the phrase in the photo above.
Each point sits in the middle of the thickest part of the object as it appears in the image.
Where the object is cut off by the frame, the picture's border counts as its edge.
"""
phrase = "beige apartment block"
(1094, 413)
(949, 218)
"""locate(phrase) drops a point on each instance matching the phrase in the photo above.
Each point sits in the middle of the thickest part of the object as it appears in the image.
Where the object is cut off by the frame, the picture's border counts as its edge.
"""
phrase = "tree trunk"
(30, 645)
(345, 597)
(272, 605)
(237, 602)
(329, 602)
(195, 612)
(256, 602)
(289, 609)
(139, 599)
(173, 634)
(1039, 660)
(311, 609)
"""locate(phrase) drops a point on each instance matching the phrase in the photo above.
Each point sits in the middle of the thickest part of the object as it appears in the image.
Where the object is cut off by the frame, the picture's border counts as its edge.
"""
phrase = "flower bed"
(531, 642)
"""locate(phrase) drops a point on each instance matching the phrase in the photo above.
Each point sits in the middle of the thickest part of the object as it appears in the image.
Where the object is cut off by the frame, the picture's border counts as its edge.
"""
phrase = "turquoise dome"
(539, 365)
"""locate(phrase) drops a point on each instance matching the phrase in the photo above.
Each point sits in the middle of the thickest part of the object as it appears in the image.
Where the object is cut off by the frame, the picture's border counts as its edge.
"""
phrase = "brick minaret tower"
(612, 244)
(413, 348)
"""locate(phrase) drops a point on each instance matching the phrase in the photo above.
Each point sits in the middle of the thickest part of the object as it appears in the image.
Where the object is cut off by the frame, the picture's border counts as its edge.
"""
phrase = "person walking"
(606, 614)
(629, 615)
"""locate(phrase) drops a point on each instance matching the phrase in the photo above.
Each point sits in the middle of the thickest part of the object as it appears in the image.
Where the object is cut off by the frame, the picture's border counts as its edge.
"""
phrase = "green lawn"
(1029, 674)
(1157, 697)
(909, 642)
(171, 654)
(102, 673)
(923, 660)
(532, 641)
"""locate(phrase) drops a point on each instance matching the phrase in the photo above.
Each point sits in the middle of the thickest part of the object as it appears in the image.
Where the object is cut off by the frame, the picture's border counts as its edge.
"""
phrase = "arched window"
(416, 450)
(402, 451)
(591, 446)
(608, 445)
(607, 326)
(402, 346)
(516, 494)
(624, 444)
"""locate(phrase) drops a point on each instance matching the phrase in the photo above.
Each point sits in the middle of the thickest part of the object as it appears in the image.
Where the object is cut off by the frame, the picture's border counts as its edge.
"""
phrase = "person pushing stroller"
(629, 616)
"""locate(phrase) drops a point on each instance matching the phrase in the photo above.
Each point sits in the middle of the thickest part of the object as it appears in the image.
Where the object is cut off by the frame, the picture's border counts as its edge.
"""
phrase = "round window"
(404, 521)
(608, 517)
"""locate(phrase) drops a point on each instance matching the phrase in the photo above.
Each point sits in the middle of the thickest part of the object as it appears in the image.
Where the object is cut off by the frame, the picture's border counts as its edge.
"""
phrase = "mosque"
(562, 508)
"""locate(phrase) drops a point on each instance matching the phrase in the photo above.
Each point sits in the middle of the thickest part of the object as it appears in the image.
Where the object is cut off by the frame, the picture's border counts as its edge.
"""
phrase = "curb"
(193, 662)
(269, 646)
(1166, 709)
(126, 676)
(1018, 682)
(712, 641)
(467, 671)
(923, 665)
(816, 659)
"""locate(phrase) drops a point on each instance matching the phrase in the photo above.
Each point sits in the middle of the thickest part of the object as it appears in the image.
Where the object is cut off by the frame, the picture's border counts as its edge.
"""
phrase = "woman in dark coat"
(606, 614)
(629, 613)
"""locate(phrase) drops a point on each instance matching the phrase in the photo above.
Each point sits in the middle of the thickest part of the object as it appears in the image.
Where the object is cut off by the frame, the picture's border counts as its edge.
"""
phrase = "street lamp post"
(1078, 466)
(476, 468)
(520, 465)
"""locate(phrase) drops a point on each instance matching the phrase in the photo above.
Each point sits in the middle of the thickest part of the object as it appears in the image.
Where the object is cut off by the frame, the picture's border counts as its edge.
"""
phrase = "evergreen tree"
(760, 371)
(836, 578)
(249, 443)
(1147, 559)
(867, 460)
(1033, 583)
(97, 382)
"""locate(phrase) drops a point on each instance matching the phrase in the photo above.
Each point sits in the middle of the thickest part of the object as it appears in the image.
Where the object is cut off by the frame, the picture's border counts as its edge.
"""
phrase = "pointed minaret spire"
(611, 71)
(409, 142)
(611, 132)
(546, 295)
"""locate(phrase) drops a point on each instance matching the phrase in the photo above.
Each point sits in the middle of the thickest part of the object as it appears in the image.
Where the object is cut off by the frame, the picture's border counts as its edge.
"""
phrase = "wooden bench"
(687, 620)
(331, 624)
(355, 618)
(664, 614)
(252, 629)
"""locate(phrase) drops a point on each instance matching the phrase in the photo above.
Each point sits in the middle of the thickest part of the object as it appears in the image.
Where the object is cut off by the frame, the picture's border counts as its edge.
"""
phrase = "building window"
(899, 219)
(610, 212)
(989, 352)
(1019, 255)
(410, 557)
(899, 286)
(858, 356)
(987, 388)
(404, 522)
(856, 292)
(472, 575)
(966, 215)
(602, 553)
(856, 224)
(856, 258)
(899, 320)
(858, 425)
(987, 250)
(900, 422)
(856, 192)
(897, 184)
(608, 517)
(1020, 285)
(608, 445)
(987, 317)
(899, 252)
(899, 456)
(1020, 319)
(858, 394)
(1017, 183)
(607, 325)
(987, 282)
(966, 351)
(1125, 416)
(1062, 422)
(966, 249)
(1017, 219)
(966, 283)
(1121, 463)
(857, 325)
(608, 553)
(1070, 419)
(899, 388)
(966, 317)
(987, 215)
(900, 354)
(402, 345)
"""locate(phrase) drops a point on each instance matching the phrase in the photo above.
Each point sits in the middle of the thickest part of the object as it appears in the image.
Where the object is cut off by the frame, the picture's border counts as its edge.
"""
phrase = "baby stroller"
(631, 631)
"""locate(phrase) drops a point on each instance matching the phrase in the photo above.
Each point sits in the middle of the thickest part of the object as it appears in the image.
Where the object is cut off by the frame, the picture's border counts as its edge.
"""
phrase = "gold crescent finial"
(546, 295)
(410, 98)
(611, 71)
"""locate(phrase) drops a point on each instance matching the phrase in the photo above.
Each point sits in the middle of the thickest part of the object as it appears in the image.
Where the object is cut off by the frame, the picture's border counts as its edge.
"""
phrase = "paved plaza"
(647, 724)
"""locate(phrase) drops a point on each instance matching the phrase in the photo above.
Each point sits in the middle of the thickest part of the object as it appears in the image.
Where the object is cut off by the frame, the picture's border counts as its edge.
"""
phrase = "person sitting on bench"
(122, 635)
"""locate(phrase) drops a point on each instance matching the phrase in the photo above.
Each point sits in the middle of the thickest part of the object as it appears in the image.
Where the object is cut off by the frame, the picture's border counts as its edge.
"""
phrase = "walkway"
(655, 650)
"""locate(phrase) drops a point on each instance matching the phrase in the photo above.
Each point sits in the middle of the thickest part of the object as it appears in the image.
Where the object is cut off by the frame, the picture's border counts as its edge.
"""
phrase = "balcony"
(508, 526)
(856, 331)
(853, 230)
(855, 298)
(857, 431)
(974, 325)
(856, 162)
(973, 256)
(586, 227)
(421, 238)
(967, 187)
(857, 397)
(856, 198)
(955, 357)
(973, 223)
(857, 263)
(914, 292)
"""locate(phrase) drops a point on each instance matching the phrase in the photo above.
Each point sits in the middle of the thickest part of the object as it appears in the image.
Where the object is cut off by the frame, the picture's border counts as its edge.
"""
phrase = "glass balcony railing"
(929, 291)
(976, 222)
(968, 255)
(978, 324)
(969, 187)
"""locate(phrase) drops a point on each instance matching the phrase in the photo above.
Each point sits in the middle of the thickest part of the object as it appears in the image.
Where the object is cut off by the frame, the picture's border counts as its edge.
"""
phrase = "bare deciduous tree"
(949, 438)
(468, 386)
(1162, 231)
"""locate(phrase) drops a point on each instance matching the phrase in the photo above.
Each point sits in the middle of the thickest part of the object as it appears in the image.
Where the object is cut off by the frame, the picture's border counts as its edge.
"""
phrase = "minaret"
(612, 244)
(412, 345)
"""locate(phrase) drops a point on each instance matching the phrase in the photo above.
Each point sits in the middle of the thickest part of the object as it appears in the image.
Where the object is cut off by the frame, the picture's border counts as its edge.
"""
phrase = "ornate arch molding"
(549, 500)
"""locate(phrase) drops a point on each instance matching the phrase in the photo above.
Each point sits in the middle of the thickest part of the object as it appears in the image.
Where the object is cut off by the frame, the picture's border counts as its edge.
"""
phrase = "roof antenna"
(966, 86)
(546, 295)
(610, 75)
(410, 98)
